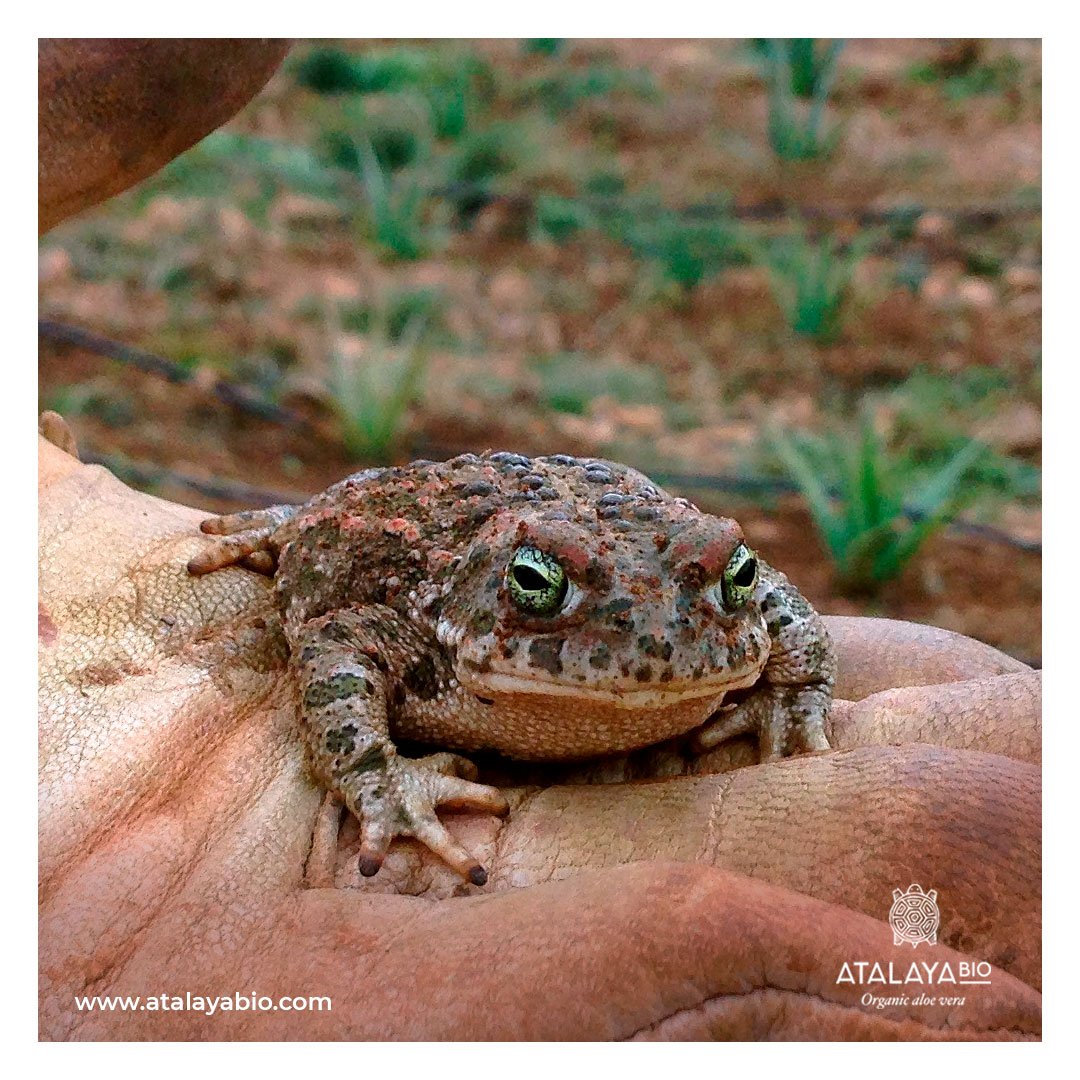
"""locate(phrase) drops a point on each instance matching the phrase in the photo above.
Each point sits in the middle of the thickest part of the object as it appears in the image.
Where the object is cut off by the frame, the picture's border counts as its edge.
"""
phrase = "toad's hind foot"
(403, 802)
(247, 538)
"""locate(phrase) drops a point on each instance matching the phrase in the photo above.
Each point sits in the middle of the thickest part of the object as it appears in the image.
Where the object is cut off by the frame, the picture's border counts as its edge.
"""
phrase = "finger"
(457, 794)
(433, 835)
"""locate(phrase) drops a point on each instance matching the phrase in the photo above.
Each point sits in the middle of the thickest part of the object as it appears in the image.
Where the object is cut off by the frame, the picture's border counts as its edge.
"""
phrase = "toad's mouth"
(655, 695)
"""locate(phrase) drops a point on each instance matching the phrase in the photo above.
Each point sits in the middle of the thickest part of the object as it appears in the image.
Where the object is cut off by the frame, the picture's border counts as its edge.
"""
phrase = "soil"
(254, 293)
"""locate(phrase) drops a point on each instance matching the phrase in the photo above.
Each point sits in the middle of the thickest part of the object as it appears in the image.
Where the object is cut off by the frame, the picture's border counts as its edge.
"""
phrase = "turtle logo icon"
(914, 916)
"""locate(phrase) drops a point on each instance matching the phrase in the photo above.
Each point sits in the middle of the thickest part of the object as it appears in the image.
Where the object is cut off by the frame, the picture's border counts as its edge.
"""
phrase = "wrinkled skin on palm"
(183, 846)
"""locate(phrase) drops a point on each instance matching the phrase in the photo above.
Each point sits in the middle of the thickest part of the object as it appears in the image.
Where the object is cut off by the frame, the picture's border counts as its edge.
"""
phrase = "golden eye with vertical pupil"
(536, 581)
(740, 577)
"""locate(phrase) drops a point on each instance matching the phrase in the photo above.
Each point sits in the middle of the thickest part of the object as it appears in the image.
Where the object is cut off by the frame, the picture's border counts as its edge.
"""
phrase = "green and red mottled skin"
(393, 588)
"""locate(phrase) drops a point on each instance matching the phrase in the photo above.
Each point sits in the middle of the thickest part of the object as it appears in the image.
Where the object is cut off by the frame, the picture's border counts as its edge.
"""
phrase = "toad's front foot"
(249, 538)
(786, 720)
(401, 800)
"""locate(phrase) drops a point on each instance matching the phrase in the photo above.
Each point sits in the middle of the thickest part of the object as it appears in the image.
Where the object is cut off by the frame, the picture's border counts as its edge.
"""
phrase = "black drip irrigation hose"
(236, 397)
(146, 474)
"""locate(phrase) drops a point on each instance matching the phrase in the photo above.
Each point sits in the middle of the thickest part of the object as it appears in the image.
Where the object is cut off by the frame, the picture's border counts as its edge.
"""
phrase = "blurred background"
(795, 280)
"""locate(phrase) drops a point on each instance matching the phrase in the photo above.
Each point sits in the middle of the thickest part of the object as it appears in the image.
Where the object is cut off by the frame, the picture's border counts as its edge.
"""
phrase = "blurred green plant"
(478, 161)
(796, 132)
(398, 310)
(454, 84)
(559, 217)
(809, 61)
(328, 69)
(931, 411)
(250, 168)
(570, 382)
(372, 393)
(811, 279)
(542, 46)
(394, 209)
(868, 503)
(564, 91)
(686, 248)
(970, 79)
(395, 147)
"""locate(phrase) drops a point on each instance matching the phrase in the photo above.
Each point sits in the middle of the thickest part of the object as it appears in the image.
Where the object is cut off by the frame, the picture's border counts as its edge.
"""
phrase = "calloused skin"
(183, 847)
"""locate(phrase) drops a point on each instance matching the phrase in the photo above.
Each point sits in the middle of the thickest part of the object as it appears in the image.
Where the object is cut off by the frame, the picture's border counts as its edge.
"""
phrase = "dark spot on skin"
(643, 673)
(484, 622)
(692, 576)
(482, 666)
(616, 607)
(308, 652)
(597, 576)
(422, 679)
(333, 631)
(480, 513)
(600, 658)
(656, 647)
(544, 653)
(341, 740)
(667, 675)
(370, 759)
(478, 555)
(786, 620)
(478, 487)
(336, 688)
(397, 696)
(531, 480)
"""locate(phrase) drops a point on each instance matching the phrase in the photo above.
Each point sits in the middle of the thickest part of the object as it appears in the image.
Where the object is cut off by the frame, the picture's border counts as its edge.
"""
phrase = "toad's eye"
(536, 581)
(740, 577)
